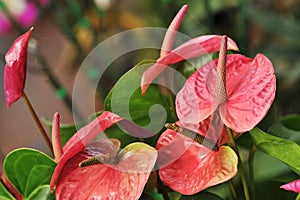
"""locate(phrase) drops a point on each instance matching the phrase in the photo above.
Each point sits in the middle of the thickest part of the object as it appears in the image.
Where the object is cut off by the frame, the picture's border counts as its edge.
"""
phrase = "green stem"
(37, 121)
(240, 164)
(162, 187)
(232, 189)
(251, 171)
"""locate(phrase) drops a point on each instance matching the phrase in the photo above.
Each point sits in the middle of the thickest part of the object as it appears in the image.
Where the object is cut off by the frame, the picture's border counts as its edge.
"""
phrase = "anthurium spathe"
(250, 91)
(15, 69)
(195, 47)
(124, 178)
(197, 168)
(292, 186)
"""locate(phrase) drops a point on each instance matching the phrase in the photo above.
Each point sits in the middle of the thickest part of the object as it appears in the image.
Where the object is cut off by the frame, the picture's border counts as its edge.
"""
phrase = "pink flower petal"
(292, 186)
(125, 180)
(78, 141)
(197, 99)
(15, 69)
(251, 86)
(194, 170)
(194, 47)
(168, 41)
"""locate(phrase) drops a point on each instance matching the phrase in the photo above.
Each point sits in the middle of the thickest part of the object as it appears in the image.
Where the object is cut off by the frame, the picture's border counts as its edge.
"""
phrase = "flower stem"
(232, 189)
(37, 121)
(240, 165)
(251, 171)
(162, 187)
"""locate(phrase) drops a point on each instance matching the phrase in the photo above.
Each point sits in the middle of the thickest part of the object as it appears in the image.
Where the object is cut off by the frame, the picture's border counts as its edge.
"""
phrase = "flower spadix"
(195, 47)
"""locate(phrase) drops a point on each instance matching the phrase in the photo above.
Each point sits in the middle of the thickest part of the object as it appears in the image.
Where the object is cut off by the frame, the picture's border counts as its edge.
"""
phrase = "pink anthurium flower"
(122, 175)
(197, 168)
(250, 91)
(237, 93)
(15, 69)
(195, 47)
(292, 186)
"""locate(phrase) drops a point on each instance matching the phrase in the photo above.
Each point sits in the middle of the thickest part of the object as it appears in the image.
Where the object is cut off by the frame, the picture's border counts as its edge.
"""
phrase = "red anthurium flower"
(124, 180)
(195, 47)
(250, 91)
(15, 69)
(196, 168)
(292, 186)
(123, 176)
(237, 93)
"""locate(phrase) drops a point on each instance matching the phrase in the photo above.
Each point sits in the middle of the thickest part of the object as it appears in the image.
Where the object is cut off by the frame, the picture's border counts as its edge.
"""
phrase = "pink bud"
(292, 186)
(15, 69)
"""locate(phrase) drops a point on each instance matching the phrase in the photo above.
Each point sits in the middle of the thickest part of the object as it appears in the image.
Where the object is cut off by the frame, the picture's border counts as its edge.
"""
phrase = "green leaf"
(66, 130)
(41, 193)
(282, 149)
(27, 169)
(291, 122)
(201, 195)
(4, 194)
(151, 111)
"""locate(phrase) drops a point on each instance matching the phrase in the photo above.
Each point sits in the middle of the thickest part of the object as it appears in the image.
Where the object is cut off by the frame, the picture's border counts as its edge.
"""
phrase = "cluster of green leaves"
(29, 171)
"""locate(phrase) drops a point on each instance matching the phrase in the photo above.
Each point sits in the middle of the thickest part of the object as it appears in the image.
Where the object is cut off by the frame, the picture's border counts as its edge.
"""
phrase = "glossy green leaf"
(282, 149)
(201, 195)
(66, 130)
(41, 193)
(27, 169)
(4, 194)
(151, 111)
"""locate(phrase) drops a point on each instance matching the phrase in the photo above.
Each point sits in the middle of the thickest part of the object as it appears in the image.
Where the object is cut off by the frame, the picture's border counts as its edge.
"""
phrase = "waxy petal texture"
(197, 168)
(125, 180)
(250, 86)
(15, 69)
(192, 48)
(78, 141)
(292, 186)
